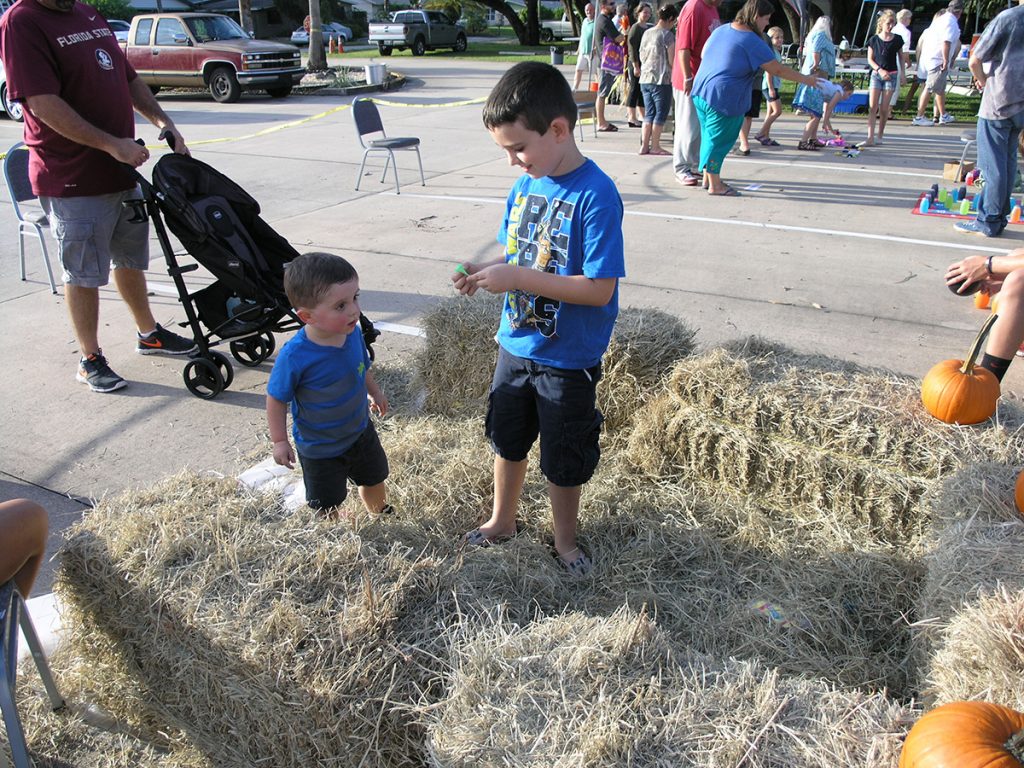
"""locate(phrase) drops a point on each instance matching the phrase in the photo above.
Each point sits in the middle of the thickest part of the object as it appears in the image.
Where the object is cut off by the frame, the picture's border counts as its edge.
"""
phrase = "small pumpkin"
(982, 300)
(966, 734)
(1018, 493)
(958, 391)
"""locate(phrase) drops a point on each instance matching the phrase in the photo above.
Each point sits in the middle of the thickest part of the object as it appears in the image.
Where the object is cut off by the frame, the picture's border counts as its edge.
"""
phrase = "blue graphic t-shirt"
(566, 225)
(327, 389)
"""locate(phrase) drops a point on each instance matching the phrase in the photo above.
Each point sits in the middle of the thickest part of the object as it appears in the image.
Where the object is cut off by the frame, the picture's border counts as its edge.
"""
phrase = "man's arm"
(978, 70)
(685, 63)
(58, 115)
(945, 55)
(145, 104)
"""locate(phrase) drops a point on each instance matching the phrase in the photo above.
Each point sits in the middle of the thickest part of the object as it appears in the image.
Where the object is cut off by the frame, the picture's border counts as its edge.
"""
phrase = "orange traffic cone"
(341, 44)
(330, 44)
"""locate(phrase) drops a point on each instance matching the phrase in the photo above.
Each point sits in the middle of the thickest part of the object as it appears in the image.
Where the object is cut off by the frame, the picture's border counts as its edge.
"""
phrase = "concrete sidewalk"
(820, 253)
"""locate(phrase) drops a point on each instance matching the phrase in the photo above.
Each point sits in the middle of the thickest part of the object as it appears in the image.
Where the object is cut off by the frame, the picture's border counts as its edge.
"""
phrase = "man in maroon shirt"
(697, 21)
(65, 65)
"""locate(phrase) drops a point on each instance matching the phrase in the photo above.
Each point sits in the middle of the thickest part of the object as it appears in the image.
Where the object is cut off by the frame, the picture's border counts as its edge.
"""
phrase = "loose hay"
(768, 507)
(458, 358)
(585, 691)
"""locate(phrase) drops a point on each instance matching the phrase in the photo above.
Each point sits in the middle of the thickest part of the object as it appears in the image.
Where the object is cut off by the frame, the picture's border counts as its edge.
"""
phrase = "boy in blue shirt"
(562, 234)
(324, 372)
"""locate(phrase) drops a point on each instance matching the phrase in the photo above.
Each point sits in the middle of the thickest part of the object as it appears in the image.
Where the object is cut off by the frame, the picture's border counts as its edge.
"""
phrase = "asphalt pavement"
(821, 253)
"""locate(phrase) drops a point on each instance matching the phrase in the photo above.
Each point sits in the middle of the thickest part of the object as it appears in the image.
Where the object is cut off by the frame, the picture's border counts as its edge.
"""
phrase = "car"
(331, 29)
(120, 27)
(13, 109)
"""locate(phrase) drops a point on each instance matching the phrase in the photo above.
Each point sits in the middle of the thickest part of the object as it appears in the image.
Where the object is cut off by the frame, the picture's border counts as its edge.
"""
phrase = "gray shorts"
(93, 233)
(936, 80)
(607, 83)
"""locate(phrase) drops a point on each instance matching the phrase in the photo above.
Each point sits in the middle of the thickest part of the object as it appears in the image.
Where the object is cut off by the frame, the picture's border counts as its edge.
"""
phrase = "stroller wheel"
(226, 371)
(203, 378)
(253, 350)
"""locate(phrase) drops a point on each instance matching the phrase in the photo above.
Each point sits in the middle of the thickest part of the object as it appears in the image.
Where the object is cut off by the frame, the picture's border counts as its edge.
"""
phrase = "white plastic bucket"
(376, 73)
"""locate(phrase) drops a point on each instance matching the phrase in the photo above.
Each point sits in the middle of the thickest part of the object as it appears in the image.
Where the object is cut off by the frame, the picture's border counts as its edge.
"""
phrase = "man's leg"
(599, 111)
(940, 102)
(691, 135)
(131, 284)
(84, 310)
(993, 152)
(922, 103)
(678, 153)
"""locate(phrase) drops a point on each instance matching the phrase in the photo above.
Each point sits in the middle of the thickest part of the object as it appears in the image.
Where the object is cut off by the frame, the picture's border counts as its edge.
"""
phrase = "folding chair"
(367, 119)
(33, 221)
(12, 614)
(586, 106)
(969, 138)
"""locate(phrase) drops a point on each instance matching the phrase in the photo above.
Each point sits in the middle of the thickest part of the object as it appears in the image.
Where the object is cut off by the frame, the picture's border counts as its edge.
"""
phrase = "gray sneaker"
(164, 342)
(94, 371)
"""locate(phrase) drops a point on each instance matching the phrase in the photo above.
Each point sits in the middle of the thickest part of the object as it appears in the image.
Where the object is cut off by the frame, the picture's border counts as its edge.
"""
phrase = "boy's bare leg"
(374, 497)
(1008, 332)
(509, 477)
(565, 509)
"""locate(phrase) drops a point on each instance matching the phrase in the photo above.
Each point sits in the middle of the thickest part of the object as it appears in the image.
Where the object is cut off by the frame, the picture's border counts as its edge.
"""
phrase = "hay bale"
(589, 691)
(274, 637)
(981, 655)
(458, 358)
(809, 437)
(85, 734)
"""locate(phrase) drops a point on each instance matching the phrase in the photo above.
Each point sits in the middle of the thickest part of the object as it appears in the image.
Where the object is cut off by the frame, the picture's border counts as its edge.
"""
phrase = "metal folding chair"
(368, 123)
(969, 138)
(586, 106)
(12, 614)
(31, 221)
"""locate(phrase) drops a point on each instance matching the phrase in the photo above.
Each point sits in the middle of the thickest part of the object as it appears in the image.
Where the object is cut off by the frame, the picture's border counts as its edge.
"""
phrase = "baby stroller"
(219, 224)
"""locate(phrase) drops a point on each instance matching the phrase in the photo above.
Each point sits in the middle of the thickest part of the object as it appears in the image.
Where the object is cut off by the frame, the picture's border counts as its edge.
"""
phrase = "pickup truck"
(549, 30)
(208, 50)
(420, 31)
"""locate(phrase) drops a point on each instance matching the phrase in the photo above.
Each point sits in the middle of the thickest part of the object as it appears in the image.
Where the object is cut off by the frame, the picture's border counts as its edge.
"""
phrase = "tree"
(317, 55)
(245, 15)
(509, 13)
(113, 9)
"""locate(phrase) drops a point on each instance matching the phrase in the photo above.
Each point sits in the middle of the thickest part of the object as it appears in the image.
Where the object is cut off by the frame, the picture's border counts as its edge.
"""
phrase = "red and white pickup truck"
(208, 50)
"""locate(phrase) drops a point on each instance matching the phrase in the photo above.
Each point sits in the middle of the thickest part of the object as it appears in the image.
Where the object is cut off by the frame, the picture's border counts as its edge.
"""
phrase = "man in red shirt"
(64, 64)
(697, 21)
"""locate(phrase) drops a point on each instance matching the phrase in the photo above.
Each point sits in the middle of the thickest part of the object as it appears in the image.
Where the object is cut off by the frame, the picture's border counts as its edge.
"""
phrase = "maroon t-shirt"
(73, 55)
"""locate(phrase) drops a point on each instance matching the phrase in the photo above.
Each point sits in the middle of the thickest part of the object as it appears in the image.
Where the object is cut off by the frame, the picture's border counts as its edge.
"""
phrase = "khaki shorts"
(94, 232)
(936, 81)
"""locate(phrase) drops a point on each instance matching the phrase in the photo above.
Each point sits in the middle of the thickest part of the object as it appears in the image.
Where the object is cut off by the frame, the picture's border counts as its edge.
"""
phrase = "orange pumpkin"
(958, 391)
(1018, 493)
(966, 734)
(982, 300)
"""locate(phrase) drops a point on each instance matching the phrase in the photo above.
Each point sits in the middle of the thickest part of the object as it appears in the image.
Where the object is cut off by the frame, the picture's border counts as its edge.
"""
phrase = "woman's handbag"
(612, 58)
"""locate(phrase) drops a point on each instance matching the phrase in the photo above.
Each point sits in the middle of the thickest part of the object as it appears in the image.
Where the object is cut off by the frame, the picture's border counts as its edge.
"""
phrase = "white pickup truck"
(420, 31)
(549, 30)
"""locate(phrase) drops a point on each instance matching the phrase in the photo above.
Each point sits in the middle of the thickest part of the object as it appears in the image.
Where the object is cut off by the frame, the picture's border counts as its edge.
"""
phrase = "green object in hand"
(461, 270)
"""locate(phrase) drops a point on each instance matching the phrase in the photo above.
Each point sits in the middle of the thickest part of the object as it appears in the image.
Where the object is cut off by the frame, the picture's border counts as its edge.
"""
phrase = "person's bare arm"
(277, 418)
(777, 68)
(145, 104)
(686, 63)
(978, 70)
(575, 289)
(945, 55)
(58, 115)
(460, 276)
(975, 268)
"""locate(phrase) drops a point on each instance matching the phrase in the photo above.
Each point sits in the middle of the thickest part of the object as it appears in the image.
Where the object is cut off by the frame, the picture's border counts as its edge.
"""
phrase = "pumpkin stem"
(1015, 746)
(979, 340)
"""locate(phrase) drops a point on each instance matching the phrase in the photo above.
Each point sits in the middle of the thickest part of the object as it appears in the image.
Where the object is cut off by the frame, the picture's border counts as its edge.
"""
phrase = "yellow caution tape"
(466, 103)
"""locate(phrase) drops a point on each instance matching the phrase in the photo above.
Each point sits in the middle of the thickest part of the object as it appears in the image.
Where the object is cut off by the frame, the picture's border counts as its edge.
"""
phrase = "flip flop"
(741, 152)
(660, 152)
(476, 538)
(771, 143)
(644, 151)
(729, 192)
(579, 566)
(610, 128)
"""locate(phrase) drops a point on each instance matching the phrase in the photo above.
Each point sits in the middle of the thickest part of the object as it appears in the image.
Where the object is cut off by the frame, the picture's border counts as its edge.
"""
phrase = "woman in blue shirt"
(721, 93)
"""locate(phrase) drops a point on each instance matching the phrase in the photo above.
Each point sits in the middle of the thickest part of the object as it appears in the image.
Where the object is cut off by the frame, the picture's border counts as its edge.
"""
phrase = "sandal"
(579, 566)
(610, 128)
(729, 192)
(741, 152)
(660, 151)
(807, 146)
(644, 151)
(770, 143)
(476, 538)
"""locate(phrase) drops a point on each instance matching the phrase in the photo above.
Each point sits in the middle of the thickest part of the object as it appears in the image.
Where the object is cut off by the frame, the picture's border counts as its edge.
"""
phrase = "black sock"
(997, 365)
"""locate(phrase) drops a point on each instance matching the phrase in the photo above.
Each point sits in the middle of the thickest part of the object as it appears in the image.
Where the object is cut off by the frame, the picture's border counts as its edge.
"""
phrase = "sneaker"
(688, 179)
(162, 341)
(946, 119)
(971, 227)
(923, 121)
(94, 371)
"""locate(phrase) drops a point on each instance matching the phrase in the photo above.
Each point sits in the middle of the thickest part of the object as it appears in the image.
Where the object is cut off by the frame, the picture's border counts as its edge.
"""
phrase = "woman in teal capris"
(721, 93)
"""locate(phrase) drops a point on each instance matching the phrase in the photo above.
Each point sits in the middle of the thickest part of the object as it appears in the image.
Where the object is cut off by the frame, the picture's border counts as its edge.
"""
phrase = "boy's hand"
(498, 278)
(462, 279)
(378, 404)
(284, 455)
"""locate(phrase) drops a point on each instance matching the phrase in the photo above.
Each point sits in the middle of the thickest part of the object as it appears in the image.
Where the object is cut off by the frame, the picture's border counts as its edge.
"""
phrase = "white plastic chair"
(12, 615)
(368, 123)
(31, 221)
